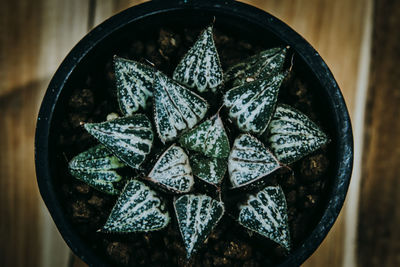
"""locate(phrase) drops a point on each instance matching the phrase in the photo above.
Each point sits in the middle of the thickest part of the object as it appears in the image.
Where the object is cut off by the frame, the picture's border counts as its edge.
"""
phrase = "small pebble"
(80, 210)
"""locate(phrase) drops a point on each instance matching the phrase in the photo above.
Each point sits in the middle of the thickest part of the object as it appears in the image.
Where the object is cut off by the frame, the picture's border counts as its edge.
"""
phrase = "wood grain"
(34, 37)
(379, 214)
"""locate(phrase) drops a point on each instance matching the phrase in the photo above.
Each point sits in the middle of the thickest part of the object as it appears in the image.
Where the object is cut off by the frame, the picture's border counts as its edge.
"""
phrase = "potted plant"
(92, 85)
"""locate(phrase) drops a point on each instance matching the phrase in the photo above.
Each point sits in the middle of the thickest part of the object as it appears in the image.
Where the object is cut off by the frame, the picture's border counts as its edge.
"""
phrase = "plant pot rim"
(246, 12)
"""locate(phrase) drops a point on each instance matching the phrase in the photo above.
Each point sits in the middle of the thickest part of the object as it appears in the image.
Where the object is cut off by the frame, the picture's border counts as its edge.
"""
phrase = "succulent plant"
(241, 142)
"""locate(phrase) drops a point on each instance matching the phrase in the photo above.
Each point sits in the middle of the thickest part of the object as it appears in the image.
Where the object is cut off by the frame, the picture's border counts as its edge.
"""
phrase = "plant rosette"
(176, 157)
(200, 145)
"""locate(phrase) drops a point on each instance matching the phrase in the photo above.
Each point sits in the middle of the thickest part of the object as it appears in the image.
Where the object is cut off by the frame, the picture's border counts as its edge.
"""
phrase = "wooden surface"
(36, 35)
(380, 188)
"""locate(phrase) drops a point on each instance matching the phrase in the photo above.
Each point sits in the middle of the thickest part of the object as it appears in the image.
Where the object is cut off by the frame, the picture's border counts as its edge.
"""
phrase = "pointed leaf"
(200, 68)
(138, 209)
(208, 138)
(175, 107)
(249, 161)
(134, 83)
(129, 138)
(210, 170)
(266, 214)
(263, 65)
(96, 167)
(252, 105)
(197, 216)
(292, 135)
(172, 171)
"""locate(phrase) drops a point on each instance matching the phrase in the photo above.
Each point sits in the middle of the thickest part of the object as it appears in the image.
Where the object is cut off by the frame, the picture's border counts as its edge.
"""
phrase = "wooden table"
(359, 41)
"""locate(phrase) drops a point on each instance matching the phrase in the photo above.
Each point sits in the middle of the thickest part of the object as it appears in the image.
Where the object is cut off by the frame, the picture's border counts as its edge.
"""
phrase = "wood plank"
(335, 29)
(34, 38)
(379, 215)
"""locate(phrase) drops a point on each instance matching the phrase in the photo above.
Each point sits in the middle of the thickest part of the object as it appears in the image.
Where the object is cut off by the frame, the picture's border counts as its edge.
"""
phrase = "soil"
(229, 244)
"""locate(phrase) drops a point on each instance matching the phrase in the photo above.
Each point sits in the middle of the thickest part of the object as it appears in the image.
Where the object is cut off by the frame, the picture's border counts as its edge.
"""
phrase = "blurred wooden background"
(358, 39)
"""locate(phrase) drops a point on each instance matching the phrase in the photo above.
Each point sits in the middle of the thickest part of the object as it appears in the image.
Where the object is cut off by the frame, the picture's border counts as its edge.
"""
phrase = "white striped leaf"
(197, 216)
(134, 83)
(172, 171)
(266, 214)
(292, 135)
(252, 105)
(208, 138)
(200, 68)
(129, 138)
(263, 65)
(249, 161)
(96, 167)
(176, 108)
(210, 170)
(138, 209)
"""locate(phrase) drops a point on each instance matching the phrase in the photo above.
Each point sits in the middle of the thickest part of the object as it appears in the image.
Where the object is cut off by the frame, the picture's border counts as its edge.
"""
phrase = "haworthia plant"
(263, 65)
(97, 167)
(129, 138)
(249, 161)
(200, 68)
(266, 213)
(252, 105)
(134, 82)
(210, 170)
(208, 138)
(138, 209)
(205, 151)
(197, 216)
(292, 135)
(175, 107)
(172, 171)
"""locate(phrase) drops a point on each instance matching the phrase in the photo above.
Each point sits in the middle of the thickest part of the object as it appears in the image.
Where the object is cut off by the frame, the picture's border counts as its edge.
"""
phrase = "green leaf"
(208, 138)
(134, 83)
(263, 65)
(175, 108)
(249, 161)
(96, 167)
(129, 138)
(197, 216)
(172, 171)
(252, 105)
(210, 170)
(292, 135)
(266, 214)
(200, 68)
(138, 209)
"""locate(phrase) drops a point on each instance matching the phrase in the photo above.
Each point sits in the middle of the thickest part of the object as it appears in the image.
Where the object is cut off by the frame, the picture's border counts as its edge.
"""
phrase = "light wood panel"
(34, 37)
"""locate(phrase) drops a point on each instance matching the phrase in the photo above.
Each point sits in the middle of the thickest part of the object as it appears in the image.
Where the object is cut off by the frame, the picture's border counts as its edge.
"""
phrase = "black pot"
(235, 17)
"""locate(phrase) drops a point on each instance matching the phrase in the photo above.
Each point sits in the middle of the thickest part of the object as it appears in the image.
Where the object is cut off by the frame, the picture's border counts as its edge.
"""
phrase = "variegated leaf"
(138, 209)
(172, 171)
(134, 83)
(208, 138)
(175, 107)
(200, 68)
(292, 135)
(249, 161)
(252, 105)
(96, 167)
(266, 214)
(130, 138)
(210, 170)
(197, 216)
(263, 65)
